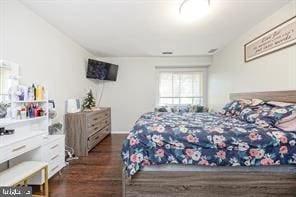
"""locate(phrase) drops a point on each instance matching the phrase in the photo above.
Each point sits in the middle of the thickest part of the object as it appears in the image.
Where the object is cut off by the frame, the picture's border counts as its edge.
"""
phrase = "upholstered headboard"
(282, 96)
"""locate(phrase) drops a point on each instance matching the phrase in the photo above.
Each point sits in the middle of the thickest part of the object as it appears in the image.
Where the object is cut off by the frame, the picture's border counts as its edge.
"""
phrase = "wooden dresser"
(84, 130)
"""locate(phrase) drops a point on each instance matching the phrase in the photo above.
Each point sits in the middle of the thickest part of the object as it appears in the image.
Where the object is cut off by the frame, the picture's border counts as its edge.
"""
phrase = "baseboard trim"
(119, 132)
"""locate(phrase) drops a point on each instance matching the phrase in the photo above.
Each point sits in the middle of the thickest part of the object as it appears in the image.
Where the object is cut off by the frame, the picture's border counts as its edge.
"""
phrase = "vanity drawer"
(53, 146)
(54, 155)
(54, 168)
(56, 164)
(53, 150)
(4, 157)
(16, 149)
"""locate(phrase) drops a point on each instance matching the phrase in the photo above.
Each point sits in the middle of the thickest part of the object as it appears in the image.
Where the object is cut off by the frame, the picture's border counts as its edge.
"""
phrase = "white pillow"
(279, 104)
(287, 126)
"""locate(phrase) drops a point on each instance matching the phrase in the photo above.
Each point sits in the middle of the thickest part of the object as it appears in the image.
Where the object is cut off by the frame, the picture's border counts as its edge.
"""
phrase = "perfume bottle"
(34, 91)
(30, 93)
(39, 93)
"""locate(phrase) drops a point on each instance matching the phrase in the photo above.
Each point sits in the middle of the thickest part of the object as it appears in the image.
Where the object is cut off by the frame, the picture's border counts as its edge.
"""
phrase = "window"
(178, 87)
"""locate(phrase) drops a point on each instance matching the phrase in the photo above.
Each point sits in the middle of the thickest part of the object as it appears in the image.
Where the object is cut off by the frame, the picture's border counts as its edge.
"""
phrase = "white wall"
(230, 74)
(44, 54)
(134, 91)
(48, 57)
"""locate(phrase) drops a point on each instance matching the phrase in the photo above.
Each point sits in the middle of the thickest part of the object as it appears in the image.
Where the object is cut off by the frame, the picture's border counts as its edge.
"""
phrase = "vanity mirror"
(8, 79)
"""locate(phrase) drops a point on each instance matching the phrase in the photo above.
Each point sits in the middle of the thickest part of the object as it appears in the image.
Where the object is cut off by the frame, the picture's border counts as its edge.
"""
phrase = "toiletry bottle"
(43, 93)
(41, 112)
(38, 92)
(34, 90)
(31, 111)
(30, 94)
(18, 113)
(36, 110)
(23, 112)
(27, 110)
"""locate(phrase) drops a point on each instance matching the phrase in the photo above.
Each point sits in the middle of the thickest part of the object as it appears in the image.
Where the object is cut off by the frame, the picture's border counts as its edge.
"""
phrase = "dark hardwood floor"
(99, 174)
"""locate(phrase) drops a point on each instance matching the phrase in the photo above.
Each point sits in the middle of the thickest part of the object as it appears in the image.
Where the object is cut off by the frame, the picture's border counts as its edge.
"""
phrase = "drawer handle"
(54, 157)
(19, 148)
(95, 119)
(54, 168)
(54, 146)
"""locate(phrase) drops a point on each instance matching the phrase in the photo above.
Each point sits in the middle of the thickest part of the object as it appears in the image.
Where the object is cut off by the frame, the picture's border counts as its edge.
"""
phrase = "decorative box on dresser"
(84, 130)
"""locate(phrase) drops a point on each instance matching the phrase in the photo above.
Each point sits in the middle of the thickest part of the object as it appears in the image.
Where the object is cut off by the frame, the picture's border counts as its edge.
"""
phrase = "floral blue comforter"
(204, 139)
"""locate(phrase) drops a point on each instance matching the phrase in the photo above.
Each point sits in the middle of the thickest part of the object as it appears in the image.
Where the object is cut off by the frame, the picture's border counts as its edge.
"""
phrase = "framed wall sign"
(279, 37)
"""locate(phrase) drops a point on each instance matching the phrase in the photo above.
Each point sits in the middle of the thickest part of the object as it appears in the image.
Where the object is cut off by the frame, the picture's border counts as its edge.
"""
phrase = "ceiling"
(131, 28)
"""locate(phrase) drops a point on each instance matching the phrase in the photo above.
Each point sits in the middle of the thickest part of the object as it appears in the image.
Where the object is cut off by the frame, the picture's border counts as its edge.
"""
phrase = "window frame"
(201, 69)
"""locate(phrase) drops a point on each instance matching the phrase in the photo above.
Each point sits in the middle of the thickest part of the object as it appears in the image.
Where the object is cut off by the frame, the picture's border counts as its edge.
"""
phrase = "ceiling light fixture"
(194, 9)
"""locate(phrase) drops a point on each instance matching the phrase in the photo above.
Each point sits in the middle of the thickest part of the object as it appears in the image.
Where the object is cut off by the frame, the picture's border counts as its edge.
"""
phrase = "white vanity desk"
(31, 142)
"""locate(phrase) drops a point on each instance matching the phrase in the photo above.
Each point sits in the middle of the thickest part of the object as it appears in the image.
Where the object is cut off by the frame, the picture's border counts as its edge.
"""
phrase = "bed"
(208, 154)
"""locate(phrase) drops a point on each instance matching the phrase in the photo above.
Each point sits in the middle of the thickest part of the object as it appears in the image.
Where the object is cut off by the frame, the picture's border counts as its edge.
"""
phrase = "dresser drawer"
(94, 118)
(98, 126)
(94, 127)
(97, 137)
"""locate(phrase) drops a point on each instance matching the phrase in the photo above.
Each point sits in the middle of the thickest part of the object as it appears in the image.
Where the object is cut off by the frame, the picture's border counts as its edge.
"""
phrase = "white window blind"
(179, 87)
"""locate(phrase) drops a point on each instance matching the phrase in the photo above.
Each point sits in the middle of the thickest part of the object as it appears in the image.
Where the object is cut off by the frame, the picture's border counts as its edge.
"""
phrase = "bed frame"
(216, 183)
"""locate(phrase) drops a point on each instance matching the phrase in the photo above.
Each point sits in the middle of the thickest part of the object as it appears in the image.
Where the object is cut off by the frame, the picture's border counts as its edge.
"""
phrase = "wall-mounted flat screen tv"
(101, 70)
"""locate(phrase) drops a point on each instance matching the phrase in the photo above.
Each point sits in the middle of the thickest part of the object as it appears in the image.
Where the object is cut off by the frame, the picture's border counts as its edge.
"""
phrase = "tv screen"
(101, 70)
